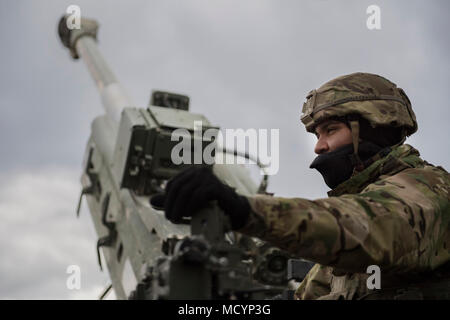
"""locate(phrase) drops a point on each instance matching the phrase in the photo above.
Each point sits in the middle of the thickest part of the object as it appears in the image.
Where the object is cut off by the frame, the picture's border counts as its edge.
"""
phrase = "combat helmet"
(360, 95)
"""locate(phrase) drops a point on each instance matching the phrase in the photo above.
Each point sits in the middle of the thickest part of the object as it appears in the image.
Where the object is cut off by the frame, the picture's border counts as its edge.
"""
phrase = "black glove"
(192, 190)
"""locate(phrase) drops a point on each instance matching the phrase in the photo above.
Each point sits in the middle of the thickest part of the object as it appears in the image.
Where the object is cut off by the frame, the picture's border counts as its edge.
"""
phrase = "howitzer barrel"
(82, 43)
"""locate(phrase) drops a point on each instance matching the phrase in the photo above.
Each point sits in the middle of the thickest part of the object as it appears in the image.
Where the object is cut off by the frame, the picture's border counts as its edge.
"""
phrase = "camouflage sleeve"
(400, 223)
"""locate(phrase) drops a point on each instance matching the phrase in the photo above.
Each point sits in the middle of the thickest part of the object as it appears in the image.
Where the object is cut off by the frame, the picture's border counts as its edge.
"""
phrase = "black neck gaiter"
(337, 166)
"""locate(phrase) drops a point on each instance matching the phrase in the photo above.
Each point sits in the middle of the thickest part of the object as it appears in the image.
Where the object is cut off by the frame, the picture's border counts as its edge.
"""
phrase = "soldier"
(387, 206)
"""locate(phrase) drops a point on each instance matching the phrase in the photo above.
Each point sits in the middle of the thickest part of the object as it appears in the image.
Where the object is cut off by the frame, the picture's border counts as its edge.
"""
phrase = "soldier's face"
(331, 135)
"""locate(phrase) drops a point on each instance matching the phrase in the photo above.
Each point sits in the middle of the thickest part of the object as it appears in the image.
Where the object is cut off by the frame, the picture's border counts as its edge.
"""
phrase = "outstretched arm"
(388, 225)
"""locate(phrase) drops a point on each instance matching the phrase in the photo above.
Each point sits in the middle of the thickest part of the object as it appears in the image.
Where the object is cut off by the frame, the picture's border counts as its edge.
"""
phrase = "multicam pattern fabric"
(370, 96)
(394, 214)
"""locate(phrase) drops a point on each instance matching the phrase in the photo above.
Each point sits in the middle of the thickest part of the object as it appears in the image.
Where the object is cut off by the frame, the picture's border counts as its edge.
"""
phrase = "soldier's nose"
(321, 147)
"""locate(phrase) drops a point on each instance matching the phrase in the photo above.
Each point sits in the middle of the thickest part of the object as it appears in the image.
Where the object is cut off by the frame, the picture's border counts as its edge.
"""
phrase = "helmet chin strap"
(358, 164)
(354, 127)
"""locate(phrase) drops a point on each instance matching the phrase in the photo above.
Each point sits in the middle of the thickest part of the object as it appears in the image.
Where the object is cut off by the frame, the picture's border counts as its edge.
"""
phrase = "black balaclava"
(337, 166)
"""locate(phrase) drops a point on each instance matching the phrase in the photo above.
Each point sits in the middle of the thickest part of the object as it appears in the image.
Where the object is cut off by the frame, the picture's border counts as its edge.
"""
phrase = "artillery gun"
(127, 160)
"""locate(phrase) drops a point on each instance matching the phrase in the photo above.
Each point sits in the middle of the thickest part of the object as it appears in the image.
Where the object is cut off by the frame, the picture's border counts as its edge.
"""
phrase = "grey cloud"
(40, 236)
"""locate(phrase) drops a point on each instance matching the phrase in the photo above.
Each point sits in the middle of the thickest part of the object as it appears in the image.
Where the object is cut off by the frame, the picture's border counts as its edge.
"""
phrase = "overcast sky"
(244, 64)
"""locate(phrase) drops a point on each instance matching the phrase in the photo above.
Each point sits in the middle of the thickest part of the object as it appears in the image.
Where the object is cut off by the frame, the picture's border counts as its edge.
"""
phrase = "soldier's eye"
(330, 130)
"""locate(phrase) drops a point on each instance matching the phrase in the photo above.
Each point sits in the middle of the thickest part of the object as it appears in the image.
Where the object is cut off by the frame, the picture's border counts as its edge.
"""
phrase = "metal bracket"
(94, 188)
(108, 240)
(87, 190)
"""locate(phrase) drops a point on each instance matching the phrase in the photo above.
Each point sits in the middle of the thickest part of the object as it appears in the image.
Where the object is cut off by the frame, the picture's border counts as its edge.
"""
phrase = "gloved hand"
(192, 190)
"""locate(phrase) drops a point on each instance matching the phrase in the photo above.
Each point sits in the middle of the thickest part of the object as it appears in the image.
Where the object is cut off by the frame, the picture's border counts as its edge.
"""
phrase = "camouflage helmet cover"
(370, 96)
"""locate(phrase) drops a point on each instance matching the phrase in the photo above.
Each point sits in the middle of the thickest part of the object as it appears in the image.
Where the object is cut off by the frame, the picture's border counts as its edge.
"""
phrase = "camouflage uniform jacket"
(394, 214)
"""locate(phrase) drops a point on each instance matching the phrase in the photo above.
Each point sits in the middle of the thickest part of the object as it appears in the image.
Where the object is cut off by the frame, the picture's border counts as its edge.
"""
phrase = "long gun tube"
(83, 44)
(113, 95)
